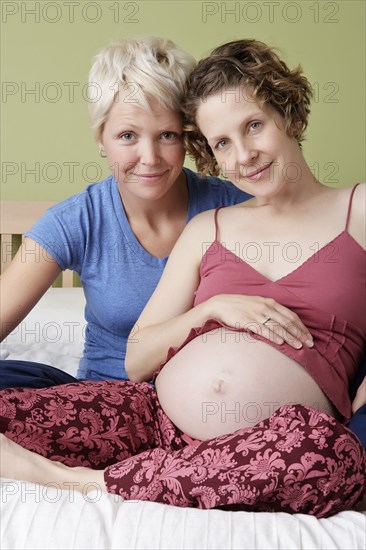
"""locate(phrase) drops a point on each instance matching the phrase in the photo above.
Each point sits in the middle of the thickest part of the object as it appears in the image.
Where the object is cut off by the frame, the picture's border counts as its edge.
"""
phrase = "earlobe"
(101, 151)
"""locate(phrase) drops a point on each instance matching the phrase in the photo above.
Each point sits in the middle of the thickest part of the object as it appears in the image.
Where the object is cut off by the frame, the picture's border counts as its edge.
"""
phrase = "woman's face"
(249, 142)
(144, 149)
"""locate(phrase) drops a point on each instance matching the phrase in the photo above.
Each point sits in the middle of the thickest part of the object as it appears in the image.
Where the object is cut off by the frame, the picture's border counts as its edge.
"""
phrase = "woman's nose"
(246, 154)
(149, 154)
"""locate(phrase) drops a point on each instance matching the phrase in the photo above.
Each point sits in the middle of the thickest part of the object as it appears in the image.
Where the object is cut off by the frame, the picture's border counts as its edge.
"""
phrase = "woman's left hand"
(360, 398)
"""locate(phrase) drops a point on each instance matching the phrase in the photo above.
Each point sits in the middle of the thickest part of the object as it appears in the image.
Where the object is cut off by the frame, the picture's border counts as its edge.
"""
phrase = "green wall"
(47, 150)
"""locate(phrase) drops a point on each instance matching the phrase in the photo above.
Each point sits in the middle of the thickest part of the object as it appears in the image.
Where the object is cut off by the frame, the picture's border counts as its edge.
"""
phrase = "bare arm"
(357, 229)
(24, 282)
(169, 315)
(357, 223)
(360, 398)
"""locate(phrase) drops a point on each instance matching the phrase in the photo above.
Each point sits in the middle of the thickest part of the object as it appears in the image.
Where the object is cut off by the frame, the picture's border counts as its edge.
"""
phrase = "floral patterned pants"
(298, 460)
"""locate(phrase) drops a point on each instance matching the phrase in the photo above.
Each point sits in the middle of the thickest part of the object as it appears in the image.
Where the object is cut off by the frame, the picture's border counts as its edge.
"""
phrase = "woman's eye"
(255, 125)
(221, 144)
(126, 136)
(168, 136)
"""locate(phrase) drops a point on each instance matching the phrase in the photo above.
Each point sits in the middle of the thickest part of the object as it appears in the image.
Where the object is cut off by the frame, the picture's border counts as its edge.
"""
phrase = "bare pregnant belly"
(224, 380)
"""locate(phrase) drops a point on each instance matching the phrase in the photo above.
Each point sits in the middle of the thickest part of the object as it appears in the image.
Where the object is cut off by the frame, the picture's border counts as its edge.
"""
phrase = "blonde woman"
(117, 234)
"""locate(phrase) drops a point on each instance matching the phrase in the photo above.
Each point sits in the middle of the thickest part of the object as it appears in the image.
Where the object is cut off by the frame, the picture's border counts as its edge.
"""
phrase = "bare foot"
(16, 462)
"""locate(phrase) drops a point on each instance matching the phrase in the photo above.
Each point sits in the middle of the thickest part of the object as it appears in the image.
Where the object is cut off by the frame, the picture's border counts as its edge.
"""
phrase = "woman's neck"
(172, 205)
(293, 193)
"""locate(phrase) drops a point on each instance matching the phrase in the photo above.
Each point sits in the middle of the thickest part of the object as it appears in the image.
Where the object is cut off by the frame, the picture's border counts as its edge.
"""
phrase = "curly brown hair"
(255, 66)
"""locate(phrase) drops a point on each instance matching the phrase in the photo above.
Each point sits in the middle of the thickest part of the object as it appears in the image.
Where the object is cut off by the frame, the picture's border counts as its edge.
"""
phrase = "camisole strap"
(216, 224)
(350, 205)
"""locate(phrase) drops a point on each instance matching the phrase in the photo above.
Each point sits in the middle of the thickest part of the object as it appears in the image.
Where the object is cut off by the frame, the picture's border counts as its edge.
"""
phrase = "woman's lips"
(257, 174)
(149, 177)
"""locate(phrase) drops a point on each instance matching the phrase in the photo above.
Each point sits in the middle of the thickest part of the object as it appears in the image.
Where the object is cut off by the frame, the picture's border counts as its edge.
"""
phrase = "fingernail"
(279, 341)
(298, 345)
(309, 343)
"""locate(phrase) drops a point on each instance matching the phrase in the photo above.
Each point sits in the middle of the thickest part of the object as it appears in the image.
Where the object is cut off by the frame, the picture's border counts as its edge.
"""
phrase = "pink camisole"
(328, 293)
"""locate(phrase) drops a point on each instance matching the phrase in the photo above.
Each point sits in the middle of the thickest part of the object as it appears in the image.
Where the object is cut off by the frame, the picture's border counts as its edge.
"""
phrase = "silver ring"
(267, 318)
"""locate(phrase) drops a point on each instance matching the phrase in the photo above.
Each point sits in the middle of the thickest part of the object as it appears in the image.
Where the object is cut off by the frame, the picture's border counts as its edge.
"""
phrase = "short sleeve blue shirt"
(90, 234)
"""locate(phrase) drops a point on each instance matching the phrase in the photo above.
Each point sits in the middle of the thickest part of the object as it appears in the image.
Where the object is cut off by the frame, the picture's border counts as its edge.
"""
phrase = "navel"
(219, 386)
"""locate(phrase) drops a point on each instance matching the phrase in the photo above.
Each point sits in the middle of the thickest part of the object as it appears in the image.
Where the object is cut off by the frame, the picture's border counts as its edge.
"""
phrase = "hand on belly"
(216, 385)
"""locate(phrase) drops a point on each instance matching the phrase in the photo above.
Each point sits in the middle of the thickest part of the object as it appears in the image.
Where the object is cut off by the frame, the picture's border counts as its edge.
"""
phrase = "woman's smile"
(259, 173)
(250, 143)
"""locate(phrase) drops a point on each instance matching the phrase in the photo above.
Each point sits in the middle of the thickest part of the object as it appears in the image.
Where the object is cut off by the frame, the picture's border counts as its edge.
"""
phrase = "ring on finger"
(266, 319)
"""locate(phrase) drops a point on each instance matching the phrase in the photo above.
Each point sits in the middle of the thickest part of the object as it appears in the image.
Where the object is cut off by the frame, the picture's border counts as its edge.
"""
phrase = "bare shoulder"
(198, 232)
(208, 216)
(359, 198)
(202, 219)
(357, 220)
(202, 225)
(340, 197)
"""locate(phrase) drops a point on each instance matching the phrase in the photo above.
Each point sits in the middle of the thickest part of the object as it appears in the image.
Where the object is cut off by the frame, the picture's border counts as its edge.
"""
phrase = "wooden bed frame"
(17, 217)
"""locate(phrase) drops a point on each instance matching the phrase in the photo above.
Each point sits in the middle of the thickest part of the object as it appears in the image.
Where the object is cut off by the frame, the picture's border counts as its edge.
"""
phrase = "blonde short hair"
(146, 68)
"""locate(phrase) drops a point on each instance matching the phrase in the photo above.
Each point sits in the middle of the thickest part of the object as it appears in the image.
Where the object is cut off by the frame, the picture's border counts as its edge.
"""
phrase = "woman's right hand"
(262, 316)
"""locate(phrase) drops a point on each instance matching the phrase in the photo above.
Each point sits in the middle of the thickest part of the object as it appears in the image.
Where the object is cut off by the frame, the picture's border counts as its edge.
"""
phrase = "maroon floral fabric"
(298, 460)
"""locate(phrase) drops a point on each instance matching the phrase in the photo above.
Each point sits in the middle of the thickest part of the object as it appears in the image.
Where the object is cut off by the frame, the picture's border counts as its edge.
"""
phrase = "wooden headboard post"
(17, 217)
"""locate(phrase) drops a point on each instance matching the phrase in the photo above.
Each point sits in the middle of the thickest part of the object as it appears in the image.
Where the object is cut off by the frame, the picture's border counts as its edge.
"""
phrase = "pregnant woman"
(259, 308)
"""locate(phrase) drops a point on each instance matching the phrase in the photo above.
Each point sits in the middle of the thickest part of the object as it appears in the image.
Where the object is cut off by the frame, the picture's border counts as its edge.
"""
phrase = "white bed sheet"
(36, 517)
(48, 518)
(52, 333)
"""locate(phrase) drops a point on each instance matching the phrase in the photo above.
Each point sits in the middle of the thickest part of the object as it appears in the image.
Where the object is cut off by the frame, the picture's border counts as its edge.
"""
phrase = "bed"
(45, 517)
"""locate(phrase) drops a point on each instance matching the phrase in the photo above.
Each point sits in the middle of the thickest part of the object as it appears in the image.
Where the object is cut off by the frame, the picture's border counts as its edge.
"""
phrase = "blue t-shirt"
(90, 234)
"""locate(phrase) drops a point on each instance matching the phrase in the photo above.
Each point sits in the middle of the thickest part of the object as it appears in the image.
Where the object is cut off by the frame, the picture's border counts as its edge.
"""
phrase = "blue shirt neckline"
(130, 237)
